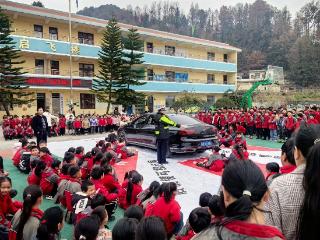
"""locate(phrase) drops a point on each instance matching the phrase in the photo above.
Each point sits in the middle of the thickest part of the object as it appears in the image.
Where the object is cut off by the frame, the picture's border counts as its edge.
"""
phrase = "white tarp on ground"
(191, 181)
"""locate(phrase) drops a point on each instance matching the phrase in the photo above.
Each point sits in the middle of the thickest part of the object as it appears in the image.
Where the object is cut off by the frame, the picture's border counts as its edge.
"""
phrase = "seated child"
(215, 156)
(240, 139)
(216, 208)
(35, 173)
(111, 151)
(122, 151)
(238, 153)
(81, 201)
(69, 158)
(29, 132)
(45, 156)
(226, 140)
(273, 171)
(72, 184)
(129, 196)
(109, 181)
(50, 179)
(79, 153)
(83, 163)
(17, 156)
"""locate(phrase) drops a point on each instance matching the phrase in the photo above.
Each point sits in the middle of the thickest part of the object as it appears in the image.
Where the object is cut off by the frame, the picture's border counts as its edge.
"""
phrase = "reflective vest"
(162, 126)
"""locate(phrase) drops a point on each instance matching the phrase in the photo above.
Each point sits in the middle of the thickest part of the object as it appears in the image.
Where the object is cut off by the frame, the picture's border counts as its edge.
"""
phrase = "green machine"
(274, 75)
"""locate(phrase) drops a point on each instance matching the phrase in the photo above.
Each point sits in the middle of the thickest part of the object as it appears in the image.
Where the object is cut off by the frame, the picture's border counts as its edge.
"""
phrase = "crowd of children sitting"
(265, 123)
(15, 127)
(249, 206)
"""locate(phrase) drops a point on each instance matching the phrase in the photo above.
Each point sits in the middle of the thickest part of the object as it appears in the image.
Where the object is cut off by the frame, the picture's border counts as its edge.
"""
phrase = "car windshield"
(183, 119)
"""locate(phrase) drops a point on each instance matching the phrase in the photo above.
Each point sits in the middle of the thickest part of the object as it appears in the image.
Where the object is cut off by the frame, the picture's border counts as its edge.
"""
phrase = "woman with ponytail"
(26, 221)
(129, 197)
(244, 192)
(50, 224)
(287, 192)
(102, 215)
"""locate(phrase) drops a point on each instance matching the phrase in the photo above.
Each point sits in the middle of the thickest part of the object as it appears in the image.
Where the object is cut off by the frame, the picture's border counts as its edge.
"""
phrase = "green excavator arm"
(246, 100)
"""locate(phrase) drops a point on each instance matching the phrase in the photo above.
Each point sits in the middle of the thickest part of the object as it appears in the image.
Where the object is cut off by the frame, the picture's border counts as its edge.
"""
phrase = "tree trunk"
(109, 100)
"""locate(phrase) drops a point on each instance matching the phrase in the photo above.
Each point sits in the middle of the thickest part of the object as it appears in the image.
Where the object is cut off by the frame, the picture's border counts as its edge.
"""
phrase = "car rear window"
(183, 119)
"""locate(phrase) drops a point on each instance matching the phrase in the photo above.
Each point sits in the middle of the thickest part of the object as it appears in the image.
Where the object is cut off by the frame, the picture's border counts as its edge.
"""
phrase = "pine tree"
(12, 83)
(110, 64)
(133, 71)
(37, 4)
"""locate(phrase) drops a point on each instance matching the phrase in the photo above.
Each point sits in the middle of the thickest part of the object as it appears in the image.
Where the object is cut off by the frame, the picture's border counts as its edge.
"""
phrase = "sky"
(293, 5)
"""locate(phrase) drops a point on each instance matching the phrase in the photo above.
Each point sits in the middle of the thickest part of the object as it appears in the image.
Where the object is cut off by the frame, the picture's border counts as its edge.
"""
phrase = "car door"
(148, 132)
(135, 133)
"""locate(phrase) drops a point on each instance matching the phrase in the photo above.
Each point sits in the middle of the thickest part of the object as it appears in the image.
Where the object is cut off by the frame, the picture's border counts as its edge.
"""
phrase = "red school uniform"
(101, 189)
(135, 192)
(287, 169)
(48, 180)
(33, 179)
(217, 165)
(77, 124)
(265, 121)
(312, 121)
(102, 122)
(258, 122)
(47, 159)
(290, 123)
(110, 183)
(17, 156)
(168, 212)
(120, 150)
(5, 123)
(62, 122)
(272, 123)
(24, 122)
(6, 205)
(29, 132)
(109, 121)
(249, 120)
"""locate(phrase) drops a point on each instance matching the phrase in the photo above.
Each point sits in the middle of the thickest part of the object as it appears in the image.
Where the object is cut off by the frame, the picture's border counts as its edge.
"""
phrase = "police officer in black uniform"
(162, 133)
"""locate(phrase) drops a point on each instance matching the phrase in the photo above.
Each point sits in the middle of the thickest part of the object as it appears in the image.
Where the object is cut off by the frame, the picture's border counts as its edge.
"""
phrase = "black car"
(192, 136)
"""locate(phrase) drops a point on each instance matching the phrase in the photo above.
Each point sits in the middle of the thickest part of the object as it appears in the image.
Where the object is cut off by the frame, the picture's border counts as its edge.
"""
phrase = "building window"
(54, 67)
(225, 79)
(149, 47)
(86, 70)
(211, 100)
(169, 101)
(211, 56)
(170, 50)
(38, 31)
(210, 78)
(150, 74)
(53, 33)
(85, 38)
(225, 57)
(39, 66)
(170, 76)
(87, 101)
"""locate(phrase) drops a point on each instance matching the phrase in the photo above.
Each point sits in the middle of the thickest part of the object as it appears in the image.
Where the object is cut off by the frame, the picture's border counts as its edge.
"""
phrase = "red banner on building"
(58, 82)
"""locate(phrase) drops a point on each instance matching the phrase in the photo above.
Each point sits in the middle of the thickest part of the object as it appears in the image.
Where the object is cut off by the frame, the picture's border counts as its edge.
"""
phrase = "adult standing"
(50, 117)
(162, 133)
(40, 126)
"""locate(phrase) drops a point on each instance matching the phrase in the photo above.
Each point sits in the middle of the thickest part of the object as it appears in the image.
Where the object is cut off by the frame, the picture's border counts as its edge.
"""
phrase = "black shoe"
(165, 162)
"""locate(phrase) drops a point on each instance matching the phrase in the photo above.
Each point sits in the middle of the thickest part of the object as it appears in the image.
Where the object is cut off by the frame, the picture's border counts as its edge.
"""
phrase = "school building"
(173, 63)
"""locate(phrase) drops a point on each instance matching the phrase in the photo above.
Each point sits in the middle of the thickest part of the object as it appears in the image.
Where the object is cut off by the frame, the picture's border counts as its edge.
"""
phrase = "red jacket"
(168, 212)
(272, 123)
(290, 123)
(33, 179)
(29, 132)
(223, 120)
(258, 122)
(102, 122)
(109, 120)
(123, 193)
(312, 121)
(216, 119)
(77, 124)
(110, 183)
(46, 183)
(6, 206)
(249, 120)
(265, 122)
(47, 159)
(17, 156)
(62, 122)
(103, 191)
(217, 165)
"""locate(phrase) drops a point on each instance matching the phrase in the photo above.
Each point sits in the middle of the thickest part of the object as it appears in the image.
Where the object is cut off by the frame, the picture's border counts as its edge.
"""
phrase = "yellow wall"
(25, 26)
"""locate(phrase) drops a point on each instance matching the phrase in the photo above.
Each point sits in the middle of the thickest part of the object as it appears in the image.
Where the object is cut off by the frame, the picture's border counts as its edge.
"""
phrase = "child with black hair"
(109, 181)
(83, 164)
(110, 150)
(42, 143)
(168, 209)
(125, 228)
(81, 201)
(87, 229)
(79, 153)
(204, 199)
(287, 157)
(26, 221)
(72, 150)
(45, 156)
(149, 195)
(96, 177)
(127, 176)
(51, 224)
(96, 161)
(50, 179)
(34, 177)
(129, 196)
(216, 208)
(101, 213)
(199, 219)
(7, 206)
(72, 184)
(121, 149)
(69, 158)
(18, 154)
(238, 153)
(244, 193)
(273, 169)
(151, 228)
(134, 211)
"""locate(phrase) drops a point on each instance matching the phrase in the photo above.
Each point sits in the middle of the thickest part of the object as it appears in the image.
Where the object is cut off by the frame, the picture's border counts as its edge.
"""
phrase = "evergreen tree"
(37, 4)
(133, 71)
(12, 83)
(110, 65)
